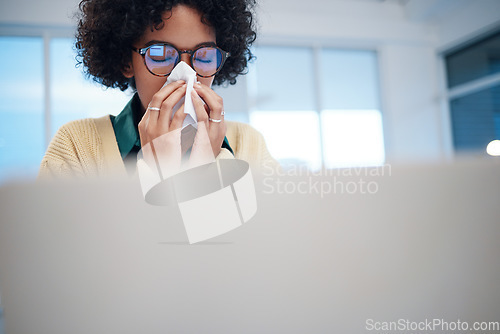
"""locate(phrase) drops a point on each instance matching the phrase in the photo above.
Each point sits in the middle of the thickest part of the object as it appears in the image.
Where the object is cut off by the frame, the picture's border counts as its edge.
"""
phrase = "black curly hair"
(108, 28)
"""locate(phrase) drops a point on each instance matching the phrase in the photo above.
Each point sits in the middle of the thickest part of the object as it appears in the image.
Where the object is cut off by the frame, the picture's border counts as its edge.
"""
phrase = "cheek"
(206, 81)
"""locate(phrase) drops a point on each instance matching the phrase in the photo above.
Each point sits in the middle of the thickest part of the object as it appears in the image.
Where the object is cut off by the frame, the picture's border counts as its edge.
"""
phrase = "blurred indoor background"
(336, 83)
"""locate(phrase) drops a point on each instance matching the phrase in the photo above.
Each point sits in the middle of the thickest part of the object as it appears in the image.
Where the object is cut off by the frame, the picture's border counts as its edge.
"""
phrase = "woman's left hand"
(213, 109)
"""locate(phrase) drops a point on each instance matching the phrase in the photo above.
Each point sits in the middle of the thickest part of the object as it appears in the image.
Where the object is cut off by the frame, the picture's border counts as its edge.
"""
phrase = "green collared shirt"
(127, 134)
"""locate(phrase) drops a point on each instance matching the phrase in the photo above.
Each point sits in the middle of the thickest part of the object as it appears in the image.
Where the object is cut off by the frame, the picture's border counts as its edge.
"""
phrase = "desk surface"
(93, 258)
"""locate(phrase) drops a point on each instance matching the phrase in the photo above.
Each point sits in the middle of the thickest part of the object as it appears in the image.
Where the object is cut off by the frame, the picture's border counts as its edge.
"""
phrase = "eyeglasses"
(160, 59)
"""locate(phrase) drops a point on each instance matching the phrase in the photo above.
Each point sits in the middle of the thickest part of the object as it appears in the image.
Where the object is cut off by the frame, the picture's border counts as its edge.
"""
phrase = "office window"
(476, 119)
(282, 89)
(291, 137)
(285, 78)
(23, 130)
(474, 80)
(318, 107)
(474, 62)
(350, 117)
(21, 106)
(72, 95)
(352, 138)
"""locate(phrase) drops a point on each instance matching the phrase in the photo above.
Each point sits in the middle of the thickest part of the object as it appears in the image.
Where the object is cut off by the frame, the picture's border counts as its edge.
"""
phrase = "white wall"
(470, 20)
(407, 34)
(33, 12)
(406, 49)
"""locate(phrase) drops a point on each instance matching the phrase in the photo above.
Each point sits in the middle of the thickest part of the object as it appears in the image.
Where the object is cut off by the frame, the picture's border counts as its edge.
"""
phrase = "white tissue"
(183, 71)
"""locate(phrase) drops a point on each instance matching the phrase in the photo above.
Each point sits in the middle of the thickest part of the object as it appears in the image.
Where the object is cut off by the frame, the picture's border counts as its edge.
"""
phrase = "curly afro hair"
(108, 28)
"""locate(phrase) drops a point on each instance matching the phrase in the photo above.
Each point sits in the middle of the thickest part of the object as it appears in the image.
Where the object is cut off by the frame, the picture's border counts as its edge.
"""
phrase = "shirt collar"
(125, 126)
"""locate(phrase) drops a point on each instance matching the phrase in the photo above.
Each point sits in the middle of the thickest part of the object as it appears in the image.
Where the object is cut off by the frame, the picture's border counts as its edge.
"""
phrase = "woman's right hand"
(157, 121)
(157, 127)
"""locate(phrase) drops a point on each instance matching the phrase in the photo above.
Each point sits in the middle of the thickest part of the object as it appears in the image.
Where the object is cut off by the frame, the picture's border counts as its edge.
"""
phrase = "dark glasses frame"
(144, 50)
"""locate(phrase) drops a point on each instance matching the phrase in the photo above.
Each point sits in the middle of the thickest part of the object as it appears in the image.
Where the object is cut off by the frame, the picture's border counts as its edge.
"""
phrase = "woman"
(136, 44)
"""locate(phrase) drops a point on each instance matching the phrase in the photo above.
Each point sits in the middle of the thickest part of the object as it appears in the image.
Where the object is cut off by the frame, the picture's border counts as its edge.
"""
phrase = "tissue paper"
(183, 71)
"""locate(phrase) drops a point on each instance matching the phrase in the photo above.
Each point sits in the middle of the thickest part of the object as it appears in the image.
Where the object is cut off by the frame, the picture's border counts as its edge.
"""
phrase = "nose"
(186, 57)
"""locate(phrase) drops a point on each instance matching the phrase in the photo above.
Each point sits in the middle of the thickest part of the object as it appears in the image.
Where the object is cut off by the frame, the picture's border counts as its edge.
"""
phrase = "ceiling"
(424, 10)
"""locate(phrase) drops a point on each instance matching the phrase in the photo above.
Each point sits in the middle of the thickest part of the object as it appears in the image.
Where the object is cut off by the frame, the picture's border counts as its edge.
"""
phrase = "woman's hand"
(164, 134)
(213, 109)
(160, 135)
(156, 120)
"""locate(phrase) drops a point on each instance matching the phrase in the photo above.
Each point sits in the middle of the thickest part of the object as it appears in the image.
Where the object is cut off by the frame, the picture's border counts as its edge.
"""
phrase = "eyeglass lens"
(161, 60)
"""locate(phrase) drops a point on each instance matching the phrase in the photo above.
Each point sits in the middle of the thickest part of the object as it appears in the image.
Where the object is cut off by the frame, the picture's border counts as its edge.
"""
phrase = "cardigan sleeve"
(61, 158)
(74, 151)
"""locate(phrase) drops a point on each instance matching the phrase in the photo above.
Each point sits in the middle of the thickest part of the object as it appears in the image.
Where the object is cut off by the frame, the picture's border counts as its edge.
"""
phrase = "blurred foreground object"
(420, 243)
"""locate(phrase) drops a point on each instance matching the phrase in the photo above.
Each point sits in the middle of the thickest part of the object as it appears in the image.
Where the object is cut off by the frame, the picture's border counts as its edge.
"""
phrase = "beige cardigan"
(88, 147)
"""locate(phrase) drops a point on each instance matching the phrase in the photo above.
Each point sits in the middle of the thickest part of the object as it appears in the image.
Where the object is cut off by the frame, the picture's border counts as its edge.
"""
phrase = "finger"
(167, 107)
(216, 130)
(147, 125)
(142, 128)
(162, 94)
(178, 119)
(151, 122)
(215, 102)
(199, 107)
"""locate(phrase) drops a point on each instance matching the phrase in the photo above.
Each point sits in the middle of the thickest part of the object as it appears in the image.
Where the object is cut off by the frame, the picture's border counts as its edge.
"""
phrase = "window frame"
(463, 89)
(46, 33)
(317, 45)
